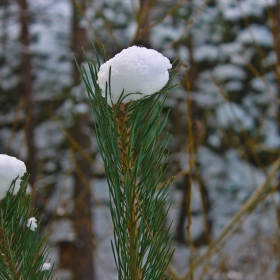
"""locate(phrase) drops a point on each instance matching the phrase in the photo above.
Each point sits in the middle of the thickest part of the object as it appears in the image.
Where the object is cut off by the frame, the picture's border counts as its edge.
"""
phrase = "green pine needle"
(22, 251)
(133, 150)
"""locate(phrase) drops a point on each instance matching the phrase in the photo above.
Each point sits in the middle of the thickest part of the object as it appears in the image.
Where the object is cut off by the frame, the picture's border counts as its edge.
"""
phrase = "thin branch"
(247, 207)
(190, 152)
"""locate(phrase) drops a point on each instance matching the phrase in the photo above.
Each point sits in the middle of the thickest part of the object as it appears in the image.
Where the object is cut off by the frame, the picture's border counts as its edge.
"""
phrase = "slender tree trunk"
(27, 90)
(181, 227)
(4, 25)
(276, 36)
(204, 237)
(81, 261)
(79, 36)
(83, 257)
(142, 36)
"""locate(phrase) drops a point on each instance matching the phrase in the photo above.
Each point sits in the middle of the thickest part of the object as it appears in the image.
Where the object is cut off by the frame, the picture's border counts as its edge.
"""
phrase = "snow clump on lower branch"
(32, 223)
(10, 169)
(46, 266)
(134, 70)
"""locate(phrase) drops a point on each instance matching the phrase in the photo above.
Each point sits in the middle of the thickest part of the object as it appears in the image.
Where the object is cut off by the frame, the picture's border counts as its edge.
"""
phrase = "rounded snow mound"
(134, 70)
(10, 169)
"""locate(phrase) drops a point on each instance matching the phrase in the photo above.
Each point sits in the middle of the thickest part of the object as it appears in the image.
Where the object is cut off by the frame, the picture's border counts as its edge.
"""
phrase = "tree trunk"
(79, 37)
(78, 255)
(83, 257)
(27, 91)
(204, 237)
(276, 37)
(142, 36)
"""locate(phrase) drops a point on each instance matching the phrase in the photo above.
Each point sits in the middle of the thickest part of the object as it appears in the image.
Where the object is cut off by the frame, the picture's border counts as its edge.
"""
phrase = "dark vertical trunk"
(79, 37)
(143, 35)
(78, 256)
(275, 26)
(276, 45)
(83, 257)
(4, 26)
(181, 228)
(27, 90)
(204, 237)
(276, 36)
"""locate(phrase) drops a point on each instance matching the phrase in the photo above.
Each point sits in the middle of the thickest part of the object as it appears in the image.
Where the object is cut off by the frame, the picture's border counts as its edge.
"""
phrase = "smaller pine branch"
(22, 250)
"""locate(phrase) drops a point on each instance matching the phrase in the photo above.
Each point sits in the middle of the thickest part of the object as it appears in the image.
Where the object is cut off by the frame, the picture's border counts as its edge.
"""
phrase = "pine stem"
(7, 253)
(131, 209)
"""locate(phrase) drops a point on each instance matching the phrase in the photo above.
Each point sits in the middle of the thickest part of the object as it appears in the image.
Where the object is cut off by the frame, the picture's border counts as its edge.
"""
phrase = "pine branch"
(129, 139)
(22, 251)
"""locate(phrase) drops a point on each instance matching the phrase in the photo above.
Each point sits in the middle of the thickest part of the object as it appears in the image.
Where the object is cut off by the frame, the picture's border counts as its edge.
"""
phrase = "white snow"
(234, 86)
(134, 70)
(256, 33)
(228, 71)
(270, 59)
(245, 177)
(81, 108)
(208, 95)
(234, 275)
(47, 134)
(205, 52)
(229, 49)
(258, 84)
(165, 32)
(233, 11)
(214, 140)
(63, 230)
(103, 231)
(10, 169)
(46, 266)
(32, 223)
(183, 53)
(270, 130)
(267, 3)
(235, 115)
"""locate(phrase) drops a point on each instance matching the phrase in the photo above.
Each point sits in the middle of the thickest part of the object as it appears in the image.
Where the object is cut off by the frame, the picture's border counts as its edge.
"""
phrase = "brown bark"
(83, 250)
(181, 228)
(204, 237)
(127, 163)
(79, 39)
(142, 36)
(276, 37)
(27, 91)
(78, 255)
(4, 37)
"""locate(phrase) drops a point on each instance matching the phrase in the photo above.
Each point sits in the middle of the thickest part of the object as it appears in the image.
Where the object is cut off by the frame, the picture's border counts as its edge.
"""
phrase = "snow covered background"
(228, 46)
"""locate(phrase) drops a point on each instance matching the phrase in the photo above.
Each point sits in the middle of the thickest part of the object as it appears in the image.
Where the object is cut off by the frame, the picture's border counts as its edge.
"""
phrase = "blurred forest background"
(226, 146)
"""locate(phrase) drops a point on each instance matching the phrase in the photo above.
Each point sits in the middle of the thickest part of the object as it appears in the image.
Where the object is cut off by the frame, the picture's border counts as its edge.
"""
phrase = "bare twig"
(247, 207)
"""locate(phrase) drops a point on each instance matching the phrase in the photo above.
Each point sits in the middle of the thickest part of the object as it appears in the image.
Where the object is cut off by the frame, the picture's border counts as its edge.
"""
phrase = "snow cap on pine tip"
(10, 169)
(134, 70)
